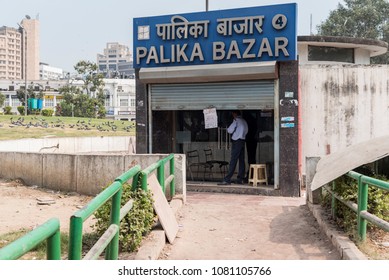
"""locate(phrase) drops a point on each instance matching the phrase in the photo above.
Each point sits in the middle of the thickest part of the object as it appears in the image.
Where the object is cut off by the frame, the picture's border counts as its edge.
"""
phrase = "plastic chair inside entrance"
(258, 174)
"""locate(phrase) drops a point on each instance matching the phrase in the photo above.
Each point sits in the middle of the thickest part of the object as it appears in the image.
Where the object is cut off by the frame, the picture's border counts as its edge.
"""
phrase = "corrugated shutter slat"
(251, 95)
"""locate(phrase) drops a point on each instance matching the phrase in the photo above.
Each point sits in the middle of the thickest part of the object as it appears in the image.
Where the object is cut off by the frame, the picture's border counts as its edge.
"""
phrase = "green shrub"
(47, 112)
(7, 110)
(135, 224)
(21, 110)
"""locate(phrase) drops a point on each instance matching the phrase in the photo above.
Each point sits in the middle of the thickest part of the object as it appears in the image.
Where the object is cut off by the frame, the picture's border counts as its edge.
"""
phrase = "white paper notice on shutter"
(210, 118)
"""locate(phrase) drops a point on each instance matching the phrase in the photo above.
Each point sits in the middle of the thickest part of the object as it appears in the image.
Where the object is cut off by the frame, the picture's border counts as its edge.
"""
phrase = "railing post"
(333, 201)
(54, 246)
(172, 188)
(144, 181)
(135, 181)
(75, 238)
(112, 251)
(362, 206)
(161, 175)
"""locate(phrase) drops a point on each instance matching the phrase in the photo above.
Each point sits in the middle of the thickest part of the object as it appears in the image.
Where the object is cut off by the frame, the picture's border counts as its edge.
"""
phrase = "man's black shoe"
(239, 182)
(224, 183)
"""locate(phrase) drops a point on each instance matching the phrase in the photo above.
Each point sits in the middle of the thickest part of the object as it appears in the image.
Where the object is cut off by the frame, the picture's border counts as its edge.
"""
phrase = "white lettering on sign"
(240, 25)
(234, 48)
(181, 28)
(221, 51)
(250, 43)
(177, 53)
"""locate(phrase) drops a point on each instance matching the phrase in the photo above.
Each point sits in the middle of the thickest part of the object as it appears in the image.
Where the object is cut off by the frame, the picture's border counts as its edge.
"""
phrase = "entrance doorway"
(184, 132)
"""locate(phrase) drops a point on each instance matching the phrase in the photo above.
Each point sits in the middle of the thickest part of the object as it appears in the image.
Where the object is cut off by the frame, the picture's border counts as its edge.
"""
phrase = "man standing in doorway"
(238, 130)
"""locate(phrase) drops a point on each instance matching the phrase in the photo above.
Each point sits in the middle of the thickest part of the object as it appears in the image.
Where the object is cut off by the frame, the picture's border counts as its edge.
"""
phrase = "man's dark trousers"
(237, 153)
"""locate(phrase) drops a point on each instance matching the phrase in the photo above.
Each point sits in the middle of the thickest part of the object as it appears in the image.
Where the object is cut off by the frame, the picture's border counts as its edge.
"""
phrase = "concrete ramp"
(335, 165)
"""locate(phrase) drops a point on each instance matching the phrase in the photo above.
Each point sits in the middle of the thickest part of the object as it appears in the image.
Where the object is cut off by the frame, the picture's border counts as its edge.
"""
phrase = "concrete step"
(196, 186)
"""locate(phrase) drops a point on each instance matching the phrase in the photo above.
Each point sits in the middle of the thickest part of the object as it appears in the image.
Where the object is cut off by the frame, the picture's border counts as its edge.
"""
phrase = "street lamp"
(24, 40)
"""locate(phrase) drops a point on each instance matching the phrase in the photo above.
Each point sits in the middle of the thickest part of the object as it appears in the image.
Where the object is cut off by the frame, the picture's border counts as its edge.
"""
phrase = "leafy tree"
(2, 99)
(31, 93)
(84, 96)
(92, 81)
(362, 19)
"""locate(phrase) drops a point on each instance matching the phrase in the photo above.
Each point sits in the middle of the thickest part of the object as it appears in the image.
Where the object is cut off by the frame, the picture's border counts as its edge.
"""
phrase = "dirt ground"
(20, 208)
(217, 226)
(211, 226)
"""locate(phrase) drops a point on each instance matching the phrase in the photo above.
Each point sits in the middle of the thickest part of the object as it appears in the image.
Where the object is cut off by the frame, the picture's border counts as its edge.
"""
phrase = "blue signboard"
(264, 33)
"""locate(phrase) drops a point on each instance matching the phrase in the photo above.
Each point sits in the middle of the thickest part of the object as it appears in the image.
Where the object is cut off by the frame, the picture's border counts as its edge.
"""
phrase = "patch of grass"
(17, 127)
(37, 253)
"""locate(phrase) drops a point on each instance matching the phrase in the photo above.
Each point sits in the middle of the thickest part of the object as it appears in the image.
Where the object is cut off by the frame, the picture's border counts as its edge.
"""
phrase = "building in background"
(31, 40)
(47, 72)
(119, 103)
(116, 62)
(19, 50)
(10, 53)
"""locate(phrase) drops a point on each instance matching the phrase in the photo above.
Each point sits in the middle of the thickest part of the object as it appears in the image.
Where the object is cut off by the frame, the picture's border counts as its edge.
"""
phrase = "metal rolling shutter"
(248, 95)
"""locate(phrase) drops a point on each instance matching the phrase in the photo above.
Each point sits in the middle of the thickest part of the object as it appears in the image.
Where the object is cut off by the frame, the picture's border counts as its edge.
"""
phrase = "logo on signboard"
(229, 36)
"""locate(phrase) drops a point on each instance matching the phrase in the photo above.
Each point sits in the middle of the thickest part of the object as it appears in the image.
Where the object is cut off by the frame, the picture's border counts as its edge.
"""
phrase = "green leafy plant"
(47, 112)
(136, 224)
(21, 110)
(347, 188)
(7, 110)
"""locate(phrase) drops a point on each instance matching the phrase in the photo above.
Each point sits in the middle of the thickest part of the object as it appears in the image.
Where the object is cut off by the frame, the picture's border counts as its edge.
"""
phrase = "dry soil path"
(247, 227)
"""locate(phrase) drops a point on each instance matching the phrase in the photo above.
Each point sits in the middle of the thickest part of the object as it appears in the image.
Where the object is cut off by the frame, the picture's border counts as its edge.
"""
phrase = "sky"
(74, 30)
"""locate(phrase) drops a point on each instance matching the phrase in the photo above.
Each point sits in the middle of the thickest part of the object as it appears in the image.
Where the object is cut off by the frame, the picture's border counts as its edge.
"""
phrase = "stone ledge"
(346, 248)
(152, 247)
(156, 240)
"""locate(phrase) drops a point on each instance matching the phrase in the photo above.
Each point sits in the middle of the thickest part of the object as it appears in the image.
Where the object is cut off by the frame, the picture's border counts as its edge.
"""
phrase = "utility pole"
(24, 42)
(206, 5)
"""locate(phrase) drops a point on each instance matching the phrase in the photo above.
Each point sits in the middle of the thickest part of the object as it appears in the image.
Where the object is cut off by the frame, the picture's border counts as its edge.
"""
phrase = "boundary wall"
(81, 164)
(80, 173)
(71, 145)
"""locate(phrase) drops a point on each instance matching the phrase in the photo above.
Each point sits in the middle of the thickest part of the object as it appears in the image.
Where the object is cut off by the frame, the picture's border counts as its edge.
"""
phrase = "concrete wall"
(342, 105)
(81, 173)
(71, 145)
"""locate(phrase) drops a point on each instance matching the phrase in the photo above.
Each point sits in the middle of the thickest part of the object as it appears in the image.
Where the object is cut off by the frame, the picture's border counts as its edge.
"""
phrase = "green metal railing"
(110, 239)
(160, 167)
(361, 207)
(48, 231)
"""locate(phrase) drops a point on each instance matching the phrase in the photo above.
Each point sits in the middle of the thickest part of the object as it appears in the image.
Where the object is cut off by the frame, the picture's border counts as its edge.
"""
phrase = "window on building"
(107, 101)
(49, 102)
(317, 53)
(123, 102)
(132, 100)
(15, 101)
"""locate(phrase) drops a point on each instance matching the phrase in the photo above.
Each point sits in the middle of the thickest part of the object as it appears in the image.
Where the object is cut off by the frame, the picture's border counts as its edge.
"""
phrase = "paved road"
(247, 227)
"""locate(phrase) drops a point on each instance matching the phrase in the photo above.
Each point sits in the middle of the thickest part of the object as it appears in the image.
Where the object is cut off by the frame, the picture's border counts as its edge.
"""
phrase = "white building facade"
(47, 72)
(119, 104)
